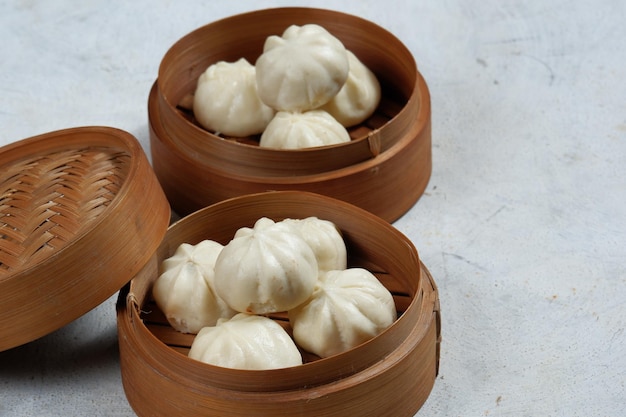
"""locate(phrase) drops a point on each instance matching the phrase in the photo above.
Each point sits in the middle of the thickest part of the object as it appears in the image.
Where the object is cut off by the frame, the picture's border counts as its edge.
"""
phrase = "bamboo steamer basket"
(384, 169)
(389, 375)
(81, 211)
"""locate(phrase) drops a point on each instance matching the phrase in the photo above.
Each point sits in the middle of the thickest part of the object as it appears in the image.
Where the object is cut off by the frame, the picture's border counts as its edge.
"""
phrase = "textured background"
(523, 224)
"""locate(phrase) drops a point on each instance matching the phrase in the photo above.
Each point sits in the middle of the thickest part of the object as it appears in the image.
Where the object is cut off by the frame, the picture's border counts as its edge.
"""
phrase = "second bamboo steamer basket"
(390, 375)
(384, 169)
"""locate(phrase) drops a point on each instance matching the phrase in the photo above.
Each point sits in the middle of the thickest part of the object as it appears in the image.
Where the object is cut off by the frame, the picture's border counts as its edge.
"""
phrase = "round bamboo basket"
(81, 211)
(389, 375)
(383, 169)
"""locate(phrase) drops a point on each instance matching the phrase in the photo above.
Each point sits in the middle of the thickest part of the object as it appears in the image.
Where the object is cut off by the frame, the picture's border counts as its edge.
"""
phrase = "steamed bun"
(347, 308)
(246, 342)
(303, 130)
(265, 270)
(302, 69)
(358, 98)
(185, 292)
(226, 100)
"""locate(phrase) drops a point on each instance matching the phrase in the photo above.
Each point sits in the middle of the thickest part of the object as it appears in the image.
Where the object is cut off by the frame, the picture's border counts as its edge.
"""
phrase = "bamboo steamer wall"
(384, 168)
(390, 375)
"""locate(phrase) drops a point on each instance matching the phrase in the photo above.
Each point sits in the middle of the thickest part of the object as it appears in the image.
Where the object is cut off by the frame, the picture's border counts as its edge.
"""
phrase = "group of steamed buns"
(304, 90)
(224, 293)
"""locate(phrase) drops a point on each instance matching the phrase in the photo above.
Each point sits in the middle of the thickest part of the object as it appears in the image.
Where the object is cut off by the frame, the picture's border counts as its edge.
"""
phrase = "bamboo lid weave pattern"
(46, 200)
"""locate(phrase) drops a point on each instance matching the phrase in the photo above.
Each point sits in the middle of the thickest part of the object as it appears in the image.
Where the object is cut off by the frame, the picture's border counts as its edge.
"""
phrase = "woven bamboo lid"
(81, 212)
(390, 375)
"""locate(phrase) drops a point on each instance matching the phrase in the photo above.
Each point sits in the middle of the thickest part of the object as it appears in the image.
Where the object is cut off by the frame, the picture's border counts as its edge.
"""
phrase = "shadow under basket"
(392, 374)
(81, 212)
(384, 169)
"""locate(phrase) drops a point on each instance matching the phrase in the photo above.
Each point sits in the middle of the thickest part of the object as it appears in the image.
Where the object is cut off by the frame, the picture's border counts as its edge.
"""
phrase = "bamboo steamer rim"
(387, 185)
(144, 343)
(420, 123)
(69, 272)
(285, 201)
(190, 384)
(255, 204)
(185, 61)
